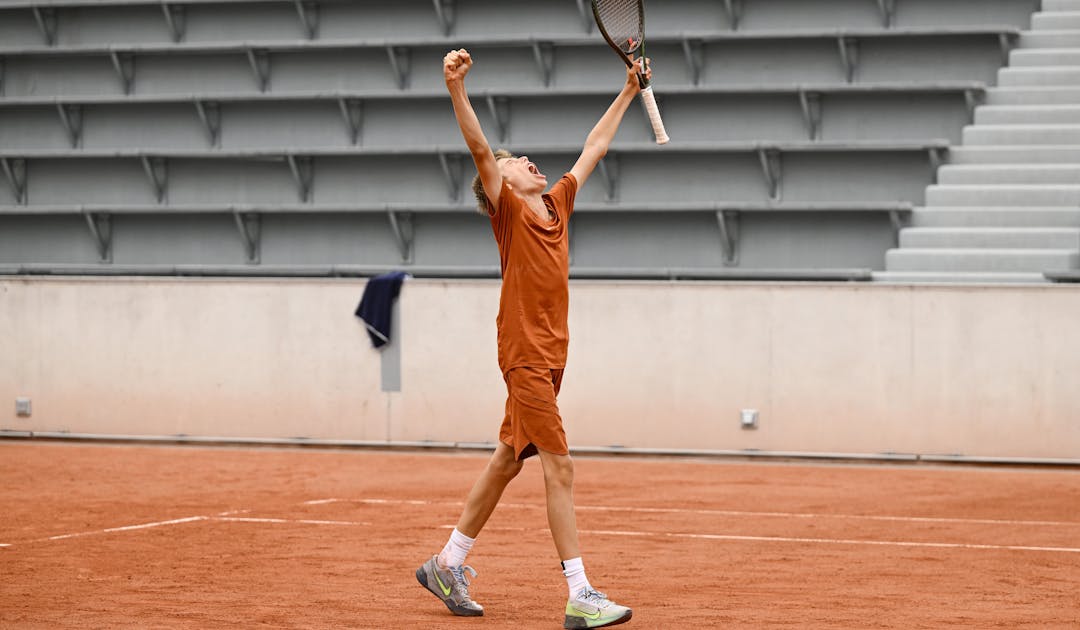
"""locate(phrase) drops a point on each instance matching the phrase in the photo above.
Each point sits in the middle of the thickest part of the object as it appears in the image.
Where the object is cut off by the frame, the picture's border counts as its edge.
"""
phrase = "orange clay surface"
(118, 536)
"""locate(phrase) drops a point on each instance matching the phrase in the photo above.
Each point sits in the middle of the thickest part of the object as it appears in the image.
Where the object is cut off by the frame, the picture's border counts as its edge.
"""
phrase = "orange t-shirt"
(535, 257)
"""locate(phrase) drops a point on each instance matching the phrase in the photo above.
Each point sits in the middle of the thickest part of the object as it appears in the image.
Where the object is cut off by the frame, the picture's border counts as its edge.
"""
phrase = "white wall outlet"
(749, 418)
(22, 407)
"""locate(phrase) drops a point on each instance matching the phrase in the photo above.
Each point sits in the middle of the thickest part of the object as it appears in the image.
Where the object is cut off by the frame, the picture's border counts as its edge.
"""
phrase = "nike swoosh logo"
(591, 616)
(445, 589)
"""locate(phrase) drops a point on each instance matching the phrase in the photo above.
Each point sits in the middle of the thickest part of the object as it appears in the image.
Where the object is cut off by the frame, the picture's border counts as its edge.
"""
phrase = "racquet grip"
(653, 111)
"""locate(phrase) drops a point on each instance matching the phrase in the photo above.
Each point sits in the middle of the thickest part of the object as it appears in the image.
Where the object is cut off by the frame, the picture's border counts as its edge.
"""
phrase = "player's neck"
(539, 208)
(535, 202)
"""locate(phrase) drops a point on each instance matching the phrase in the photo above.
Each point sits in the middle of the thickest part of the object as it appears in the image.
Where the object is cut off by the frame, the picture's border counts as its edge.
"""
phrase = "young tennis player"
(530, 228)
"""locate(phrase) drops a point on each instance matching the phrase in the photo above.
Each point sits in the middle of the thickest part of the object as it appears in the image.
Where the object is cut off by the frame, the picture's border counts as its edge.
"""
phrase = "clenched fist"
(456, 65)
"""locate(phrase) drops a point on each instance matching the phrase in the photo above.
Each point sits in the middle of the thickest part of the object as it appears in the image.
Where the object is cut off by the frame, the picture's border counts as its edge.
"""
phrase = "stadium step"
(1061, 5)
(1050, 39)
(1015, 155)
(990, 238)
(981, 135)
(1001, 216)
(984, 260)
(1004, 195)
(1039, 76)
(1033, 96)
(1043, 57)
(968, 174)
(1055, 20)
(939, 277)
(1027, 115)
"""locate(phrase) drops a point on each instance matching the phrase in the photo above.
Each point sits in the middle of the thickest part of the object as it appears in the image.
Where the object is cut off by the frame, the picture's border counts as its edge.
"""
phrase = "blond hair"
(478, 185)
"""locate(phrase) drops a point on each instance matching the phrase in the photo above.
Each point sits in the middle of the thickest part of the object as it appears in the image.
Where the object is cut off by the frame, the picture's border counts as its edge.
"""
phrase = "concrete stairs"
(1006, 207)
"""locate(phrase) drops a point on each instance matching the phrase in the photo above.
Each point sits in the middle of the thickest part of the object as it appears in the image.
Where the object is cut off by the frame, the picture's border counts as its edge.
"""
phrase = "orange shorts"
(532, 418)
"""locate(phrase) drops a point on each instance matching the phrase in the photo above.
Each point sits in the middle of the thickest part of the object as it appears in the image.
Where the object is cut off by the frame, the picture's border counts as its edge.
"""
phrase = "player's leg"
(586, 607)
(488, 489)
(445, 574)
(559, 488)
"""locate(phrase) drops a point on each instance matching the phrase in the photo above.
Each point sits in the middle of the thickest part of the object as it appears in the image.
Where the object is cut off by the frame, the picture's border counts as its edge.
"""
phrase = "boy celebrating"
(530, 228)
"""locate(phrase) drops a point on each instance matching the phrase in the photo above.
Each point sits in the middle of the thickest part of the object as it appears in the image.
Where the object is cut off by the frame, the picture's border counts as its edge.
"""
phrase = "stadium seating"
(278, 133)
(1007, 206)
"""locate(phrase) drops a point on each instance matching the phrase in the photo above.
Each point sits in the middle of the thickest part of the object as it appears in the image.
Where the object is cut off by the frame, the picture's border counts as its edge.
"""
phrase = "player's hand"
(641, 65)
(456, 65)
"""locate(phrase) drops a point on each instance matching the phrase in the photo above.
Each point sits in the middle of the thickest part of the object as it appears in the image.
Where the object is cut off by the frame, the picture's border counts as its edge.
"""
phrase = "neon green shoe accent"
(592, 609)
(453, 591)
(445, 589)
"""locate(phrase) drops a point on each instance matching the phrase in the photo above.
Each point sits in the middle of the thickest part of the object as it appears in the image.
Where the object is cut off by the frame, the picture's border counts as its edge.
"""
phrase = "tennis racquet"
(622, 23)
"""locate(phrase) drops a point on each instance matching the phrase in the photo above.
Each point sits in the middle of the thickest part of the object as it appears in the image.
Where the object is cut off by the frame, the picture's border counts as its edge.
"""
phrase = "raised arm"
(599, 139)
(456, 65)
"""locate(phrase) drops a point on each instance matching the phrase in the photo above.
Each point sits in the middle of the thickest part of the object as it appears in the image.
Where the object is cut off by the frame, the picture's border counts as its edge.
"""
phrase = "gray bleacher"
(1007, 206)
(242, 135)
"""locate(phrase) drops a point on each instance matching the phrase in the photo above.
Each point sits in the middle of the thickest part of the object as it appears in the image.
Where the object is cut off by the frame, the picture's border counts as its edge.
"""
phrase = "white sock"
(453, 554)
(574, 570)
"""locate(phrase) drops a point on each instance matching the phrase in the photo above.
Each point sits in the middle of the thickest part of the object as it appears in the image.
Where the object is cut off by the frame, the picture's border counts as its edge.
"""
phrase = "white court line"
(227, 516)
(303, 521)
(867, 517)
(231, 512)
(405, 502)
(844, 541)
(125, 528)
(220, 516)
(129, 528)
(786, 539)
(803, 515)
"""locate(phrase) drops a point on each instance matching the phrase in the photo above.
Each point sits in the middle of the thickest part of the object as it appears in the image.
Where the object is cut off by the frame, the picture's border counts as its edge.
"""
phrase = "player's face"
(522, 174)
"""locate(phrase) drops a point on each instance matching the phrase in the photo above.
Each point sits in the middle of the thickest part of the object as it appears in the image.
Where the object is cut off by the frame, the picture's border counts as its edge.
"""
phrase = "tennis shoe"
(592, 609)
(450, 585)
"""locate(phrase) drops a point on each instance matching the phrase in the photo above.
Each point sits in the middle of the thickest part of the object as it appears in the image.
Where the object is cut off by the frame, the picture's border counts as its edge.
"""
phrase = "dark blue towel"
(377, 305)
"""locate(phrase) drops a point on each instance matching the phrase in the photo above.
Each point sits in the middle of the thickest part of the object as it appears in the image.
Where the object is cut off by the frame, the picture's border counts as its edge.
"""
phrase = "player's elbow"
(596, 148)
(477, 147)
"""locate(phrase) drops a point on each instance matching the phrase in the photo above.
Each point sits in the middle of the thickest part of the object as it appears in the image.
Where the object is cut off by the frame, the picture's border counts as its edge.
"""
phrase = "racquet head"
(622, 24)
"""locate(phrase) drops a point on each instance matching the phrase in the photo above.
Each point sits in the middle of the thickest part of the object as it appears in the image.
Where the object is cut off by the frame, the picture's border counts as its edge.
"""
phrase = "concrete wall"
(861, 369)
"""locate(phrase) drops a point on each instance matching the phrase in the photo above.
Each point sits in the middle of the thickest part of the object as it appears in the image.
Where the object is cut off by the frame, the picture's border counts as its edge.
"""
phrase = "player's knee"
(560, 472)
(504, 465)
(506, 469)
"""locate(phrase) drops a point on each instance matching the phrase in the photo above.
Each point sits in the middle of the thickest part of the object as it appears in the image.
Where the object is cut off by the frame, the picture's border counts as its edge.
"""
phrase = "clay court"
(132, 536)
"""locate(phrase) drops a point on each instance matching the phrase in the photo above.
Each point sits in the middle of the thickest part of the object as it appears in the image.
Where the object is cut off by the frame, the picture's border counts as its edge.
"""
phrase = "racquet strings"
(622, 21)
